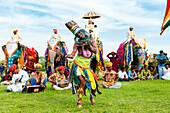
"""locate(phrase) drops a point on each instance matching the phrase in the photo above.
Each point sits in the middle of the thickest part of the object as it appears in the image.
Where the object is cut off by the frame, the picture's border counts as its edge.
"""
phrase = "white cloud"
(35, 20)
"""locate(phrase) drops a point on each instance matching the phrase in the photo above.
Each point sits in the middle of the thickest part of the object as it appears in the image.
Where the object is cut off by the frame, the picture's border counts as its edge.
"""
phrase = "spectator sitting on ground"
(166, 72)
(132, 74)
(153, 72)
(123, 75)
(146, 74)
(110, 77)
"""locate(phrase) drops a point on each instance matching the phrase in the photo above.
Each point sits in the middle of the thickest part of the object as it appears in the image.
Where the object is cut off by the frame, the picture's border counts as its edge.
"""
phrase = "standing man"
(161, 60)
(96, 32)
(89, 26)
(2, 69)
(15, 37)
(130, 34)
(55, 35)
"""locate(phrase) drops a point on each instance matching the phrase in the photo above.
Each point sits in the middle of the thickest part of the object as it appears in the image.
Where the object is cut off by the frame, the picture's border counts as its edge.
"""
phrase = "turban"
(13, 67)
(132, 27)
(61, 68)
(15, 31)
(38, 65)
(55, 30)
(108, 64)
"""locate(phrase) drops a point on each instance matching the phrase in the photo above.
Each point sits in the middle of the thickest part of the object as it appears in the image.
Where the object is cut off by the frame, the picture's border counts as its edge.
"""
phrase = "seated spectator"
(166, 72)
(58, 80)
(132, 74)
(150, 65)
(123, 75)
(146, 74)
(153, 72)
(19, 79)
(37, 77)
(110, 77)
(7, 79)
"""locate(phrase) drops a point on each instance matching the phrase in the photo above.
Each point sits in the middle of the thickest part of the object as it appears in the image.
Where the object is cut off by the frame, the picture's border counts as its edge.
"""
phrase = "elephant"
(132, 53)
(55, 56)
(22, 56)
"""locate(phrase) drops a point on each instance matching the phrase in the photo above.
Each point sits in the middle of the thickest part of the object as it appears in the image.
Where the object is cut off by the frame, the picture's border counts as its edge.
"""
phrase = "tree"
(42, 62)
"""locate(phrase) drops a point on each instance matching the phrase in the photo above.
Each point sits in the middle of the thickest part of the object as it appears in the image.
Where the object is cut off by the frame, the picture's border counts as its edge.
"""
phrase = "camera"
(165, 53)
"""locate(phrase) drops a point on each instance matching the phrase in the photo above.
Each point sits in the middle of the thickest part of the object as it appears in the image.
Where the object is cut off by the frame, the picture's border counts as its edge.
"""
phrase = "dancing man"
(80, 74)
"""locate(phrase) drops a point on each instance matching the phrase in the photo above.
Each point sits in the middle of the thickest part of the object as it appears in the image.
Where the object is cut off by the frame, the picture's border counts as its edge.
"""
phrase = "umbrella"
(91, 15)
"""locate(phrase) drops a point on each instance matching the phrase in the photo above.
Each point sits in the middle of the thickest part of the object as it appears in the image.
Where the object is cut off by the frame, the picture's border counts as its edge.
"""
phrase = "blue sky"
(35, 20)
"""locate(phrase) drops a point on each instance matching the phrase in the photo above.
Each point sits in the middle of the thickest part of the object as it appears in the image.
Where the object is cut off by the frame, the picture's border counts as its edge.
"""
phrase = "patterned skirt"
(81, 66)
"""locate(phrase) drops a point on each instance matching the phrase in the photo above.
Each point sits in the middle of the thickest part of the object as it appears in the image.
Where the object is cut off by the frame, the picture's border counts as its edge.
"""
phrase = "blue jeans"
(34, 82)
(121, 79)
(160, 70)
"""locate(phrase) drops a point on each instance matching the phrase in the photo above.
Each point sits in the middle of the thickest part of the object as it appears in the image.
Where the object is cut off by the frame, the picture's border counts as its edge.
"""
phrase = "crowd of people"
(160, 70)
(81, 76)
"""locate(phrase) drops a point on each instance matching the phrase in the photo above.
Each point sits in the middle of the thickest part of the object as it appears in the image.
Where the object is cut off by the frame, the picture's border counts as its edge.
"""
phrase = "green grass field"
(135, 96)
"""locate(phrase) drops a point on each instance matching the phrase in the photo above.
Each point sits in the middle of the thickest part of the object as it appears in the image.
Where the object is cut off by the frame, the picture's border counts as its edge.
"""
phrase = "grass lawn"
(135, 96)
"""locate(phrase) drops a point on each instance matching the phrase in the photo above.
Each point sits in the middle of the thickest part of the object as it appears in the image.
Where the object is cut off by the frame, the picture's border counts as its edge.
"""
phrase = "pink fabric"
(113, 59)
(120, 53)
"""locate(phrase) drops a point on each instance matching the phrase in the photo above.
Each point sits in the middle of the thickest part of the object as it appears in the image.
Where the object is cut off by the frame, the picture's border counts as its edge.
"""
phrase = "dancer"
(80, 74)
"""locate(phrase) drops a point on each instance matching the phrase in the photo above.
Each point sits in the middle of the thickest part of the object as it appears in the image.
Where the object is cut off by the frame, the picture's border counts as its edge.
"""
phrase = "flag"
(166, 21)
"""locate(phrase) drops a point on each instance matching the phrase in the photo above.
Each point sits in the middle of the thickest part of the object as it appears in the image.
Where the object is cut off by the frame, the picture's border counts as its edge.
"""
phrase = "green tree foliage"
(42, 62)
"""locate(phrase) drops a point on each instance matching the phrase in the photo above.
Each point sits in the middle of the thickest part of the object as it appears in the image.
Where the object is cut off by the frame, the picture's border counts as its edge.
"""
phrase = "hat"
(61, 68)
(108, 64)
(55, 30)
(92, 22)
(37, 65)
(15, 31)
(132, 27)
(13, 67)
(73, 27)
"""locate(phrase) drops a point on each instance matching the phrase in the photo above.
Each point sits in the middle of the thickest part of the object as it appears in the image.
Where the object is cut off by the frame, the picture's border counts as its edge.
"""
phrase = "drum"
(62, 83)
(31, 89)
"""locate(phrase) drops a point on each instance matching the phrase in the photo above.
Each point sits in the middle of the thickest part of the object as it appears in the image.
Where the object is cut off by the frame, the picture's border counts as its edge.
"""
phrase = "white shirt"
(166, 74)
(122, 74)
(130, 35)
(21, 72)
(55, 36)
(96, 32)
(15, 38)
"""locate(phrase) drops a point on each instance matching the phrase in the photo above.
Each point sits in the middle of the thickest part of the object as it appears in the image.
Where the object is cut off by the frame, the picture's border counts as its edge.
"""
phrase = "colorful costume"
(57, 78)
(31, 59)
(110, 80)
(37, 79)
(54, 51)
(132, 53)
(16, 53)
(84, 44)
